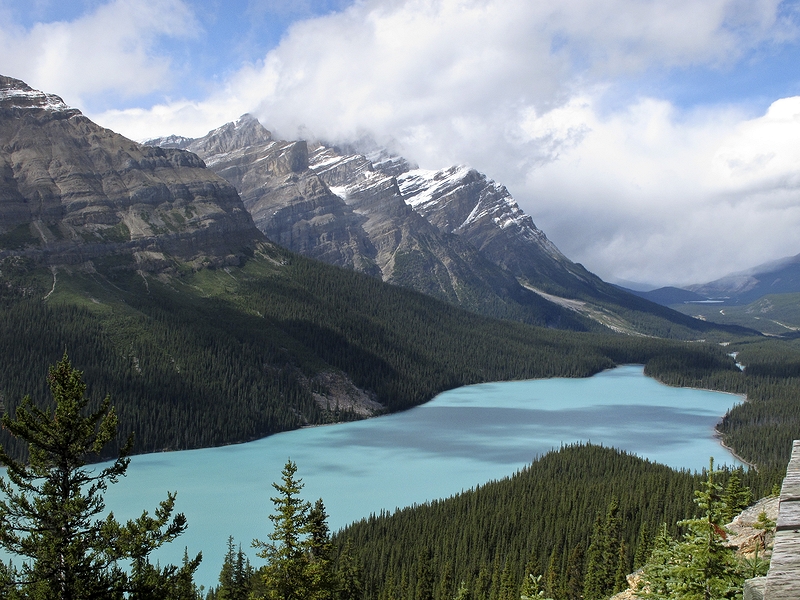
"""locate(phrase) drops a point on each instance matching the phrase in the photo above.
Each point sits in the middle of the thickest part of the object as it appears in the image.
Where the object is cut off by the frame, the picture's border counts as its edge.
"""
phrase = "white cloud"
(514, 88)
(111, 50)
(650, 196)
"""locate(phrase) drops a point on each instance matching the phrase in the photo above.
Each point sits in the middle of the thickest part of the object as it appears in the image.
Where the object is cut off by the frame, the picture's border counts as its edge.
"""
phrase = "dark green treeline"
(760, 430)
(543, 521)
(214, 357)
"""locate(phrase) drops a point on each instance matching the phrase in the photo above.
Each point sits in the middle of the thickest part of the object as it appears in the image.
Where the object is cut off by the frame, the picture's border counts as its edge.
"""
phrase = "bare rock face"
(411, 251)
(72, 191)
(341, 207)
(289, 203)
(465, 202)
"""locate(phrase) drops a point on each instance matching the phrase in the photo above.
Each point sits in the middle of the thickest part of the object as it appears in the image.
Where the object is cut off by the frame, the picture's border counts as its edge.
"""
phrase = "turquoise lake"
(462, 438)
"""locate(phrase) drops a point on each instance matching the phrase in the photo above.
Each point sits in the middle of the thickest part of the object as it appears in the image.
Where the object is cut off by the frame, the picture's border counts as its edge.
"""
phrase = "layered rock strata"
(72, 191)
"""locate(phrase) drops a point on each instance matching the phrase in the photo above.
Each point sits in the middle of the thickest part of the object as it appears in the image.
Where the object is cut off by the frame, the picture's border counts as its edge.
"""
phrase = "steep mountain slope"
(342, 210)
(452, 234)
(462, 201)
(72, 191)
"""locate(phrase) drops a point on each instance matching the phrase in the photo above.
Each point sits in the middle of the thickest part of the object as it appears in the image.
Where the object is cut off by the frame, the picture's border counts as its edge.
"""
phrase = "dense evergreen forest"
(215, 356)
(541, 521)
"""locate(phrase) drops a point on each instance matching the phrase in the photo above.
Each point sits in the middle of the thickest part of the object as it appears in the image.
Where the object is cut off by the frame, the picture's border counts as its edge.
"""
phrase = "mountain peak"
(16, 94)
(246, 131)
(72, 191)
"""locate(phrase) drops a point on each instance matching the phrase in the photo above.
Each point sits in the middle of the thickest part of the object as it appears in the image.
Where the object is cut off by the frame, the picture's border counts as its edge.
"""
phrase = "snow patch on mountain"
(15, 97)
(431, 192)
(170, 141)
(422, 187)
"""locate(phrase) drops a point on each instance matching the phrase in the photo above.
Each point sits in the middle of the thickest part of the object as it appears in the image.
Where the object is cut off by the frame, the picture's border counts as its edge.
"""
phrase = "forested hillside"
(216, 356)
(543, 521)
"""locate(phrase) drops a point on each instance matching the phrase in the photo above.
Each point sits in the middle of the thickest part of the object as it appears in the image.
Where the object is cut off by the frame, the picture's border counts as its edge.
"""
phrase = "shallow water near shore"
(462, 438)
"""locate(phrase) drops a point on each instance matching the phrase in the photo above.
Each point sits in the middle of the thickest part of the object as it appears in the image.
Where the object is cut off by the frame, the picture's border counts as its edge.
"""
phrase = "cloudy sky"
(652, 140)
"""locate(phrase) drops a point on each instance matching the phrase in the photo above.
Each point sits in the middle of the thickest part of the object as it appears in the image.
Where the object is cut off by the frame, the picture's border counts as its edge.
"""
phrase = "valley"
(460, 440)
(232, 287)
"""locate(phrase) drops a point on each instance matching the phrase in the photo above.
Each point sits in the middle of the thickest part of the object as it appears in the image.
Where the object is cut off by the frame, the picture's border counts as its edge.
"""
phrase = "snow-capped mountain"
(454, 233)
(465, 202)
(457, 201)
(346, 208)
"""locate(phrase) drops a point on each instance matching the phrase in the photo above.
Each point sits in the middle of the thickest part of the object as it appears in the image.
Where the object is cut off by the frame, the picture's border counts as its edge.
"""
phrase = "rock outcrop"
(745, 534)
(72, 191)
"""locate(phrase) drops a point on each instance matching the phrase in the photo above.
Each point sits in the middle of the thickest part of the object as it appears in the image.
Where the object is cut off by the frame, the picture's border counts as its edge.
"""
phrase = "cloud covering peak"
(567, 102)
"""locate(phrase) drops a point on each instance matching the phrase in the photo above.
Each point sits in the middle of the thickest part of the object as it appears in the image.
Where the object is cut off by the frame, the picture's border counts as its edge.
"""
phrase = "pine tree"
(737, 497)
(151, 582)
(699, 566)
(603, 555)
(349, 581)
(657, 571)
(50, 512)
(235, 575)
(594, 581)
(445, 587)
(424, 588)
(320, 568)
(552, 579)
(573, 576)
(299, 556)
(620, 577)
(705, 568)
(286, 572)
(508, 586)
(642, 548)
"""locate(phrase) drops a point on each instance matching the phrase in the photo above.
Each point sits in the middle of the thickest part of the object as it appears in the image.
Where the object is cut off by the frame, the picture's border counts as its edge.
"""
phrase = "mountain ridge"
(454, 234)
(781, 276)
(73, 191)
(344, 210)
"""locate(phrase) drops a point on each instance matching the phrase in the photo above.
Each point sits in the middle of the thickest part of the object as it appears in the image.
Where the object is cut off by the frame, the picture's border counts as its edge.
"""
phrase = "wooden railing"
(783, 578)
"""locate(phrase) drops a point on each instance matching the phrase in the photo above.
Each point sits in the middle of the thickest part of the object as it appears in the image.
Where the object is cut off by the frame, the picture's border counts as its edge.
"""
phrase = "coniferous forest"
(216, 356)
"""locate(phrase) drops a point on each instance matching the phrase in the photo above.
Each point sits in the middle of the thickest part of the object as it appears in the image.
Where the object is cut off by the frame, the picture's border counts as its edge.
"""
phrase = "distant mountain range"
(453, 234)
(765, 298)
(775, 277)
(743, 287)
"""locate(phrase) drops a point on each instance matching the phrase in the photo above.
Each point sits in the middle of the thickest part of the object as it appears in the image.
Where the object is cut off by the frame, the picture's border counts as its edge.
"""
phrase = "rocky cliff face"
(288, 202)
(463, 201)
(362, 207)
(346, 208)
(453, 234)
(72, 191)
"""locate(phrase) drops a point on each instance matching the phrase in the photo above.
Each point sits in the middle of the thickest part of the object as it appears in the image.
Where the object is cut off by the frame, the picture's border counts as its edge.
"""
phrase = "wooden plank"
(783, 578)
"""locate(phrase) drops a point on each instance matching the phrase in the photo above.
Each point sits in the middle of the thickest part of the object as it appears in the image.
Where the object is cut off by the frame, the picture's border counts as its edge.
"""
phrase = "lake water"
(460, 439)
